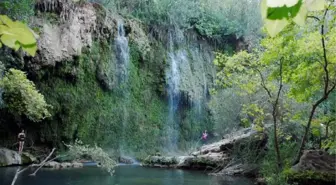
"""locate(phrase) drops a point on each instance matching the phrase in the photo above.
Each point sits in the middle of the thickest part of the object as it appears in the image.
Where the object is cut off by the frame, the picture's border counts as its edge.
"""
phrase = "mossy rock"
(27, 158)
(310, 177)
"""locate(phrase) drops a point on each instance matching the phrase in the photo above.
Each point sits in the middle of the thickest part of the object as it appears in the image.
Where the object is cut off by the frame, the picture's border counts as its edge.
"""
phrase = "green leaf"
(23, 35)
(315, 5)
(6, 20)
(284, 12)
(10, 41)
(275, 26)
(16, 34)
(300, 18)
(279, 3)
(30, 49)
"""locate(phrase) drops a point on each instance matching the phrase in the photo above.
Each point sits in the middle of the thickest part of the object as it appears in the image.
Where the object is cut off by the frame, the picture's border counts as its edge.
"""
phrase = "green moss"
(85, 110)
(310, 177)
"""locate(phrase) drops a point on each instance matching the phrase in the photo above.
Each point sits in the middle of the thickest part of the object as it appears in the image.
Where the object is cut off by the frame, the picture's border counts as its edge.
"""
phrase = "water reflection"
(125, 175)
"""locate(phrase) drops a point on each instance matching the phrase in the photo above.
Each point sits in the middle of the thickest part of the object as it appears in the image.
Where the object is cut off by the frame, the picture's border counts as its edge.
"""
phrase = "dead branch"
(43, 163)
(19, 170)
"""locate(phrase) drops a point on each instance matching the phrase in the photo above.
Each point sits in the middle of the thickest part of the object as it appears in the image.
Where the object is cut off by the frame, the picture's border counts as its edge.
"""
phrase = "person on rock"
(205, 135)
(21, 138)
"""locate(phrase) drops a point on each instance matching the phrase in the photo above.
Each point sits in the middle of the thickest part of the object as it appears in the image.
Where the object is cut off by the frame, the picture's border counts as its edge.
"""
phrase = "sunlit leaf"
(16, 34)
(6, 20)
(30, 49)
(300, 18)
(279, 3)
(275, 26)
(315, 5)
(10, 41)
(284, 12)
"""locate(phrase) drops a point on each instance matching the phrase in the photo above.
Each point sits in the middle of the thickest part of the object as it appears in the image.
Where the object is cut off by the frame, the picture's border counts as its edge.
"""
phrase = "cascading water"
(173, 79)
(187, 89)
(122, 51)
(122, 54)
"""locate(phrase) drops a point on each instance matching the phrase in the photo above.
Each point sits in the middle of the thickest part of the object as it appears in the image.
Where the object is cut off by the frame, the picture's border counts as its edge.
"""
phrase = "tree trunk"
(276, 143)
(327, 130)
(303, 141)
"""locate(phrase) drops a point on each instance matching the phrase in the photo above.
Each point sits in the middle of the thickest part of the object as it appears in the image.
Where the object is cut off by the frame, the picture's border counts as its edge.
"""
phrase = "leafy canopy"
(21, 97)
(15, 34)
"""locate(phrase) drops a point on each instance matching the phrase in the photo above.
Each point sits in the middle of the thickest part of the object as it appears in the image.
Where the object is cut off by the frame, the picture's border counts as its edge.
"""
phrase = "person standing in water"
(21, 138)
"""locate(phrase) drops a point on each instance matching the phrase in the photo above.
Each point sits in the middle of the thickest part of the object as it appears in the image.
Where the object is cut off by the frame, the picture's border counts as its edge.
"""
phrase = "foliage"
(18, 9)
(15, 34)
(225, 107)
(268, 169)
(309, 177)
(79, 150)
(22, 98)
(211, 18)
(278, 13)
(257, 113)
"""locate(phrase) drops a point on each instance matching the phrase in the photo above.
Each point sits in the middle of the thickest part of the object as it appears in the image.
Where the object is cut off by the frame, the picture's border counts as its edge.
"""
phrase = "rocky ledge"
(315, 167)
(57, 165)
(10, 158)
(215, 156)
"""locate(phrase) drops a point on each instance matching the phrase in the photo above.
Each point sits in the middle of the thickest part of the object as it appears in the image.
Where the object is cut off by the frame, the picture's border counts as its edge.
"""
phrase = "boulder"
(27, 158)
(208, 161)
(316, 160)
(315, 167)
(9, 157)
(216, 155)
(126, 160)
(202, 162)
(52, 164)
(242, 137)
(77, 165)
(248, 170)
(65, 165)
(160, 161)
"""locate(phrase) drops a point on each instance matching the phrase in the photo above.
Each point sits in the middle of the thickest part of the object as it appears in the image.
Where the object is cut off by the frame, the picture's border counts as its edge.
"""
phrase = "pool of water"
(124, 175)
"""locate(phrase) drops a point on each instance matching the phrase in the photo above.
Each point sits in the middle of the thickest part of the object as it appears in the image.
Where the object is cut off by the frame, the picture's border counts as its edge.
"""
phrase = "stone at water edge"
(315, 167)
(77, 165)
(316, 160)
(126, 160)
(27, 158)
(9, 157)
(247, 170)
(65, 165)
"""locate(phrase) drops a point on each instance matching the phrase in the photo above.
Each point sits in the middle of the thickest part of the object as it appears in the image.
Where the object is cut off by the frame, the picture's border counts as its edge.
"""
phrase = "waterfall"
(122, 51)
(122, 54)
(173, 79)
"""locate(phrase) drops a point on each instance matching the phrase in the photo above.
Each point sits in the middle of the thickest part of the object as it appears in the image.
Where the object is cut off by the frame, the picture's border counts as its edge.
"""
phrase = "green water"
(124, 175)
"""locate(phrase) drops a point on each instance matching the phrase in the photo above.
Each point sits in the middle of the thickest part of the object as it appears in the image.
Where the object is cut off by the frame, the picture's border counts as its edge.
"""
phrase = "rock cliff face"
(119, 96)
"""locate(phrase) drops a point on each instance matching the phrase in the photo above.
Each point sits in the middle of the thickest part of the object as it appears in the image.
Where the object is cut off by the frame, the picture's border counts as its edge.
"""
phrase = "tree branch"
(19, 170)
(263, 84)
(43, 163)
(326, 90)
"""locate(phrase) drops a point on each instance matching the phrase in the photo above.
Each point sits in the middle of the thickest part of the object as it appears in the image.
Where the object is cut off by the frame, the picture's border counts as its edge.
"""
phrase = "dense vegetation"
(294, 73)
(283, 85)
